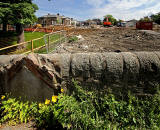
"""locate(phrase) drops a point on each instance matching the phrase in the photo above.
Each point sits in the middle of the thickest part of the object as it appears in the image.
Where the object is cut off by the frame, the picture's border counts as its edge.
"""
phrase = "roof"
(55, 16)
(133, 20)
(49, 16)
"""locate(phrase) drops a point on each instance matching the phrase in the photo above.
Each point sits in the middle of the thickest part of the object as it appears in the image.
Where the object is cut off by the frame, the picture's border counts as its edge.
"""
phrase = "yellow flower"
(62, 90)
(47, 102)
(40, 104)
(54, 98)
(3, 97)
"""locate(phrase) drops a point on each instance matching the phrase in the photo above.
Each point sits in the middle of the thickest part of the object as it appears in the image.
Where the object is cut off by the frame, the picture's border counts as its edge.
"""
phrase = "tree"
(111, 19)
(120, 21)
(21, 13)
(98, 21)
(156, 18)
(145, 19)
(4, 14)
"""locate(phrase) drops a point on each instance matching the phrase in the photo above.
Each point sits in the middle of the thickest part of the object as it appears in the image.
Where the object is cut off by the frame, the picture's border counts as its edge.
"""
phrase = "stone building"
(131, 23)
(51, 19)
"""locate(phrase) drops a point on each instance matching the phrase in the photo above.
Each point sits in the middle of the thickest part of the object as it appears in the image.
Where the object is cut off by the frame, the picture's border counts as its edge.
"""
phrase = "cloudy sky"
(85, 9)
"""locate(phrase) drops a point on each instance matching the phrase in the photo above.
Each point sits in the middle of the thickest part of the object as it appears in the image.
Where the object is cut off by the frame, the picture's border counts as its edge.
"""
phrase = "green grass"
(30, 36)
(10, 38)
(73, 39)
(52, 44)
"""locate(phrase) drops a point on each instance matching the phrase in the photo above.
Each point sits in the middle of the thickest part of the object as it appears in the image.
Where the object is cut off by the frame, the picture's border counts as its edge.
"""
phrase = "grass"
(53, 44)
(30, 36)
(10, 38)
(73, 39)
(54, 40)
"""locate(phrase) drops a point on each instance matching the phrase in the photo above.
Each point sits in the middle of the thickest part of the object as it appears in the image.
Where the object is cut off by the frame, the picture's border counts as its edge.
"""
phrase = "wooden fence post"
(65, 36)
(48, 42)
(60, 37)
(32, 46)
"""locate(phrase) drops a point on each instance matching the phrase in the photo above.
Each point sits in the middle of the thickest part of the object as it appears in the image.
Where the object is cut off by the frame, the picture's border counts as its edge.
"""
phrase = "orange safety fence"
(46, 30)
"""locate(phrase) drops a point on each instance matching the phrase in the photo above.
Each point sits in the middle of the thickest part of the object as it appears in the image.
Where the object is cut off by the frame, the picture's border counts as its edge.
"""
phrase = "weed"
(72, 39)
(85, 110)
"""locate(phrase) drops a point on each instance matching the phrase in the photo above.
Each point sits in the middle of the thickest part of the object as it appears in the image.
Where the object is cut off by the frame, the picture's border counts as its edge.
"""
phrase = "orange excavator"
(106, 22)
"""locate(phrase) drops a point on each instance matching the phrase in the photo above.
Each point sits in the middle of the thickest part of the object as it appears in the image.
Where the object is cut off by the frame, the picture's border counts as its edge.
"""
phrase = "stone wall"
(37, 77)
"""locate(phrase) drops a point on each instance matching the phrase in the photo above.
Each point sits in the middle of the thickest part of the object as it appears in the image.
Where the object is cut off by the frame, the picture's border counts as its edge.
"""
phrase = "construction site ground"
(112, 39)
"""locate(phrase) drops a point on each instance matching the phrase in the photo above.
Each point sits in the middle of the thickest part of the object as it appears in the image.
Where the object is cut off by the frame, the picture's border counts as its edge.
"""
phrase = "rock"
(80, 38)
(37, 77)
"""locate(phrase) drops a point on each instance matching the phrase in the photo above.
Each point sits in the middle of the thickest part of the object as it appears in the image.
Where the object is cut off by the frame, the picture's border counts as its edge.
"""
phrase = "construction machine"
(106, 22)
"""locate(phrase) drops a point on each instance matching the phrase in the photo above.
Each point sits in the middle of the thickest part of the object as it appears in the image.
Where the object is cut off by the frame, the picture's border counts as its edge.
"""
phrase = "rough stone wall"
(42, 75)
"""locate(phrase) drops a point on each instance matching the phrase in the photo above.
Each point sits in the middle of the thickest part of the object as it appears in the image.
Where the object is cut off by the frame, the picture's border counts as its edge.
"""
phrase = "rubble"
(111, 40)
(80, 38)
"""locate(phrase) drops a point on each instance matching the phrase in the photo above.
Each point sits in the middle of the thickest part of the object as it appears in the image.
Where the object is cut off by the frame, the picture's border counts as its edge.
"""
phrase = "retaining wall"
(40, 76)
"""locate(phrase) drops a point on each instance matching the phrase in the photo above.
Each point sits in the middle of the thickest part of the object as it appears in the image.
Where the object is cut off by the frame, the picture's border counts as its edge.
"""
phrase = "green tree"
(19, 13)
(111, 19)
(4, 14)
(98, 21)
(146, 19)
(156, 18)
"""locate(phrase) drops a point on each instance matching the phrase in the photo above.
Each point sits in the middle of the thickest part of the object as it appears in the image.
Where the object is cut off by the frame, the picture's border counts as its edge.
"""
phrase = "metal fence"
(53, 39)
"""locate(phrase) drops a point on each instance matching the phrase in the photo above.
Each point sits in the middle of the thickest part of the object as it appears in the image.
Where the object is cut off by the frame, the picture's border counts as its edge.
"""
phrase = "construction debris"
(112, 40)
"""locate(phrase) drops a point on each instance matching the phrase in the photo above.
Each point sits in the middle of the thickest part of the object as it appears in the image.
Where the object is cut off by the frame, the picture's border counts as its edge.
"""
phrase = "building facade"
(49, 20)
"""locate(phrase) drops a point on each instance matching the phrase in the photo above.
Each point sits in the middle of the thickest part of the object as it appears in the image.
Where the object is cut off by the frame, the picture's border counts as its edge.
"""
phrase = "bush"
(86, 110)
(72, 39)
(14, 111)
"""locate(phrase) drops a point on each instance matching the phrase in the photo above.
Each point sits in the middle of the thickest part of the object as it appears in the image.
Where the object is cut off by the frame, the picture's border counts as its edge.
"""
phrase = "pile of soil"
(112, 40)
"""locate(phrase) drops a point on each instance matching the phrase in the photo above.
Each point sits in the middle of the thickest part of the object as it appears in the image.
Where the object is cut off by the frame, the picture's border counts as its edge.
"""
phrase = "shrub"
(72, 39)
(15, 111)
(86, 110)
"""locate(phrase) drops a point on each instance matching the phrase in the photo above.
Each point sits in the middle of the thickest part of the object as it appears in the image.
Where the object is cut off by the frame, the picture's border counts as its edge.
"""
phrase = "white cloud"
(95, 3)
(124, 9)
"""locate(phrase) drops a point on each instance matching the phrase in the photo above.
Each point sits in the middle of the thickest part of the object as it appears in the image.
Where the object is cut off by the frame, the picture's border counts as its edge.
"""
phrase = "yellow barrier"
(32, 49)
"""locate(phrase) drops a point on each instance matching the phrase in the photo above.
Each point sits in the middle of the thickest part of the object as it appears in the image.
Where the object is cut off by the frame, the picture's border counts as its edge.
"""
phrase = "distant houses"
(51, 19)
(130, 23)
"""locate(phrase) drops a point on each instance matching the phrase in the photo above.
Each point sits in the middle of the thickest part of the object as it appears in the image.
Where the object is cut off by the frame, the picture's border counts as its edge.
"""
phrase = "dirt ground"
(27, 126)
(112, 39)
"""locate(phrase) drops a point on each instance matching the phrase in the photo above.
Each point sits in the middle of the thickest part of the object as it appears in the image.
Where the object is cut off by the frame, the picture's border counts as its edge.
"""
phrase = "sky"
(89, 9)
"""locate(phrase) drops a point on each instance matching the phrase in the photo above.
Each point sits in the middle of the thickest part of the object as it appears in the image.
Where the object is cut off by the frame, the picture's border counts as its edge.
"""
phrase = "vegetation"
(153, 18)
(84, 109)
(10, 37)
(146, 19)
(54, 40)
(98, 21)
(18, 13)
(156, 18)
(73, 39)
